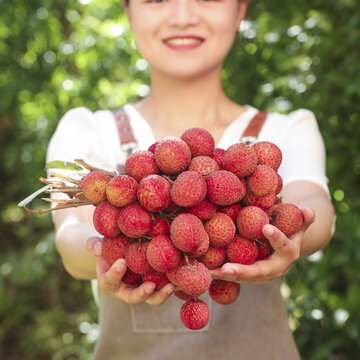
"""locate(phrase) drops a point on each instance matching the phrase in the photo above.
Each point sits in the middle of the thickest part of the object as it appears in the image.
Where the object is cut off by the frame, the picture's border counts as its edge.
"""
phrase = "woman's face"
(185, 38)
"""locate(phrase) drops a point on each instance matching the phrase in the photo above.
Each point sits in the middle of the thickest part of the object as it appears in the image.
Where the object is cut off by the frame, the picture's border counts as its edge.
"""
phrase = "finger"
(160, 296)
(132, 294)
(94, 245)
(309, 218)
(110, 278)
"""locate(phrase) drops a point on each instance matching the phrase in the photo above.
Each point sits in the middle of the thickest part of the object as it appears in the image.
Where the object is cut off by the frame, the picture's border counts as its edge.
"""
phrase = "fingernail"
(149, 290)
(97, 248)
(228, 271)
(119, 266)
(169, 291)
(268, 230)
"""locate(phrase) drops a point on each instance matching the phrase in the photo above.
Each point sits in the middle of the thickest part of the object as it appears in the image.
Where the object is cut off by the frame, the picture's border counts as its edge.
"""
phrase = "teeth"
(183, 41)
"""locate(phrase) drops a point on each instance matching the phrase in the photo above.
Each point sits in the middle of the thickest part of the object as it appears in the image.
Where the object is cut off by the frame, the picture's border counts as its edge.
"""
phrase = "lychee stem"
(92, 168)
(77, 182)
(186, 259)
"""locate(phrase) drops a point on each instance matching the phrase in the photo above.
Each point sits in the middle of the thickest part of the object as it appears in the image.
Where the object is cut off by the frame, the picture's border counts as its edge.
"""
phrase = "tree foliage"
(60, 54)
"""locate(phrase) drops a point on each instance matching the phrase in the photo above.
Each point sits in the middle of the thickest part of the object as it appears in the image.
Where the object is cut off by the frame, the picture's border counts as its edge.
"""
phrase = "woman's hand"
(110, 280)
(286, 251)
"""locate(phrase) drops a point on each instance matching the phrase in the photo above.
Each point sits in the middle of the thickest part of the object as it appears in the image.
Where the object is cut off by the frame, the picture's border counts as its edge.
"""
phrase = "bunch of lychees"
(184, 207)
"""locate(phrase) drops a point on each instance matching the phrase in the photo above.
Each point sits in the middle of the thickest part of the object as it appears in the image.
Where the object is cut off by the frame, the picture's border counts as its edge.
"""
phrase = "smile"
(183, 42)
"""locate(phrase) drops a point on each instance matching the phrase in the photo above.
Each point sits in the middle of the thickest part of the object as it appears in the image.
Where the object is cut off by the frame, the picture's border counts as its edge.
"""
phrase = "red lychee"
(221, 229)
(214, 257)
(171, 274)
(141, 163)
(105, 219)
(134, 221)
(93, 186)
(172, 155)
(159, 278)
(195, 314)
(240, 159)
(264, 249)
(159, 226)
(288, 218)
(202, 248)
(279, 184)
(225, 188)
(114, 248)
(152, 147)
(193, 278)
(186, 231)
(136, 259)
(131, 278)
(262, 181)
(250, 222)
(231, 210)
(217, 155)
(188, 189)
(204, 165)
(153, 193)
(200, 141)
(242, 251)
(268, 154)
(264, 202)
(121, 190)
(224, 292)
(204, 210)
(162, 255)
(183, 296)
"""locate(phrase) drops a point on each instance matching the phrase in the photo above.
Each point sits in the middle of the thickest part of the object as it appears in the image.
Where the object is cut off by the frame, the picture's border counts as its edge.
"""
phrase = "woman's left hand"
(286, 251)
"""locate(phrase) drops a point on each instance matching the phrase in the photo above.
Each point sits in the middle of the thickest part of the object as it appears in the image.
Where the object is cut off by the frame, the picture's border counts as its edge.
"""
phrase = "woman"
(185, 43)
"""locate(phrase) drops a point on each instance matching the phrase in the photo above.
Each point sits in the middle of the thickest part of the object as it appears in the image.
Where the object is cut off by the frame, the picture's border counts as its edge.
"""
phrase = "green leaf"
(58, 164)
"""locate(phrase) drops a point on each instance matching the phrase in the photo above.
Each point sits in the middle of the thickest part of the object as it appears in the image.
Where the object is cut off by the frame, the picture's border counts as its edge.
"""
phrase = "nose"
(183, 13)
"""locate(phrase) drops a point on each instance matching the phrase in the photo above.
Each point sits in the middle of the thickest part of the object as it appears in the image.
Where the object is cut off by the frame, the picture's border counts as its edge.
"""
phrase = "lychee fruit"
(152, 147)
(136, 259)
(183, 296)
(264, 248)
(186, 231)
(193, 278)
(105, 219)
(159, 278)
(195, 314)
(121, 190)
(217, 155)
(231, 210)
(171, 274)
(268, 154)
(131, 278)
(264, 202)
(204, 210)
(93, 186)
(200, 141)
(221, 229)
(159, 226)
(172, 155)
(162, 255)
(214, 257)
(153, 193)
(224, 292)
(288, 218)
(262, 181)
(250, 222)
(240, 159)
(225, 188)
(202, 248)
(188, 189)
(279, 184)
(141, 163)
(114, 248)
(204, 165)
(134, 221)
(242, 251)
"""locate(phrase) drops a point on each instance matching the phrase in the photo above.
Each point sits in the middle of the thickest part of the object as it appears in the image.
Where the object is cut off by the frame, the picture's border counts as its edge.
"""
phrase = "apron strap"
(252, 131)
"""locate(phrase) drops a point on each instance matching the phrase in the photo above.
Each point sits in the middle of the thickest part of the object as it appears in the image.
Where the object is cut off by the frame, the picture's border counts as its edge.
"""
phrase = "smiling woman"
(185, 43)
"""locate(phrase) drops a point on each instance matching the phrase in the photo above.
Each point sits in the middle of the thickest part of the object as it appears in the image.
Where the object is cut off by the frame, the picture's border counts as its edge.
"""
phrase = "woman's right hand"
(110, 280)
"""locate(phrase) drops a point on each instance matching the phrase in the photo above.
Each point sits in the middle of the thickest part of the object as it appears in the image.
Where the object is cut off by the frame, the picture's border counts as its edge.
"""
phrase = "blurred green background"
(59, 54)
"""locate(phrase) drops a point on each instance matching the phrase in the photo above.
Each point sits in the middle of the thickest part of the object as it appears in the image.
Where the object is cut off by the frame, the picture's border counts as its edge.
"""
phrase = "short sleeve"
(304, 154)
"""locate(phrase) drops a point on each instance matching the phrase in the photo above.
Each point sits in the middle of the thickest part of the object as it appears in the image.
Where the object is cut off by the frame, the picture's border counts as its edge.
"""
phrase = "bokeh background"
(60, 54)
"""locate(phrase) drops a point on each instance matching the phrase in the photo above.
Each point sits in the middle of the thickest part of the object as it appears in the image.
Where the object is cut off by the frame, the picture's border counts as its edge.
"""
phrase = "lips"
(183, 42)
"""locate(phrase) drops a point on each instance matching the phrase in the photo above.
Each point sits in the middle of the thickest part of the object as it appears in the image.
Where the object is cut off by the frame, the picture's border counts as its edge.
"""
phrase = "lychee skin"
(93, 186)
(171, 274)
(240, 159)
(224, 292)
(136, 259)
(153, 193)
(221, 229)
(225, 188)
(115, 248)
(268, 154)
(204, 210)
(105, 219)
(140, 164)
(279, 185)
(195, 314)
(159, 226)
(262, 181)
(162, 255)
(131, 278)
(214, 257)
(188, 189)
(121, 190)
(204, 165)
(288, 218)
(186, 231)
(172, 155)
(193, 278)
(183, 296)
(159, 278)
(218, 155)
(242, 251)
(152, 147)
(264, 202)
(202, 248)
(199, 140)
(264, 249)
(250, 222)
(134, 221)
(231, 210)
